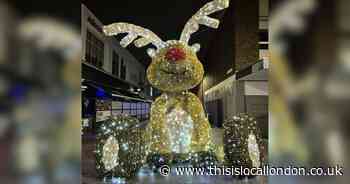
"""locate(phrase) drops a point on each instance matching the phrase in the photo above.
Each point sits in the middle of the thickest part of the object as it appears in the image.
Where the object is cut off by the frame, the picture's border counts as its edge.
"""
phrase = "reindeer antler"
(133, 31)
(201, 18)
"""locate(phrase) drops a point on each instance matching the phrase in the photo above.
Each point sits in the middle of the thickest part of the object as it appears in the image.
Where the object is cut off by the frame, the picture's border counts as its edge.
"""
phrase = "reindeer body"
(178, 124)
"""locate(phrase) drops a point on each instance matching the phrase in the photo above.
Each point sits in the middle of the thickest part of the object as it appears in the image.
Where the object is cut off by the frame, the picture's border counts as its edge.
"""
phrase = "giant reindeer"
(178, 123)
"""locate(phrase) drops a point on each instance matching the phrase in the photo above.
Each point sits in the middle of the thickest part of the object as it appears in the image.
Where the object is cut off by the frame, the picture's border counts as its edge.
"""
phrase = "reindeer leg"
(201, 136)
(159, 142)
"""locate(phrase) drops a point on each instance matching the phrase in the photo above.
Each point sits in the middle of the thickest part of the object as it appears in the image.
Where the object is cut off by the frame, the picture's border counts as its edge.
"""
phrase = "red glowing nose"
(175, 54)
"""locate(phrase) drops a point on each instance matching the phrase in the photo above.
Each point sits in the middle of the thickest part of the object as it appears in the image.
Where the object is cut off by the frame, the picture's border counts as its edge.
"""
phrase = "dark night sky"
(165, 18)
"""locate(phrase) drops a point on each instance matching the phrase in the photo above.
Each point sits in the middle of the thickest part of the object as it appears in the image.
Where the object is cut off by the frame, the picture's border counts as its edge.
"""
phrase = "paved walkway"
(146, 176)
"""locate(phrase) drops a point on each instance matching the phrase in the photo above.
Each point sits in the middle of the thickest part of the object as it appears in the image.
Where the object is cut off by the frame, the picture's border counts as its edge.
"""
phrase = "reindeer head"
(174, 66)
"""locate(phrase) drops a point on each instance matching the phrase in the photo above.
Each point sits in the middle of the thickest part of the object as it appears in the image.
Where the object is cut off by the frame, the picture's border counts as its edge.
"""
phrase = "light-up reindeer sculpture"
(178, 123)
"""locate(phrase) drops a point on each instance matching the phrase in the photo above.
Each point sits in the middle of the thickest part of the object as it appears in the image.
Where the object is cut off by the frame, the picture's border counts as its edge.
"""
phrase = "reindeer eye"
(175, 54)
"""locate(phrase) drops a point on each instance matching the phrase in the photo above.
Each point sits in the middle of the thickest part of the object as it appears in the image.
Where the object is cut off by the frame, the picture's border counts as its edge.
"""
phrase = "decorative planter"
(243, 145)
(120, 147)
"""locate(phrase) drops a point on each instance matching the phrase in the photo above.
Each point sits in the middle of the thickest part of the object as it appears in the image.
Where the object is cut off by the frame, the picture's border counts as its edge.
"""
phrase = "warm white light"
(180, 127)
(110, 153)
(253, 150)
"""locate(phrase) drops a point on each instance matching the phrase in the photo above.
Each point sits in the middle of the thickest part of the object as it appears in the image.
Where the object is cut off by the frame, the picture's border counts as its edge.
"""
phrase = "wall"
(231, 93)
(246, 33)
(236, 43)
(133, 67)
(246, 95)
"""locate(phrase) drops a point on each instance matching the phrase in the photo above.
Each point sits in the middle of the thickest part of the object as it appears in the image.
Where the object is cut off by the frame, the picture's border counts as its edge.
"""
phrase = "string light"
(121, 147)
(178, 128)
(243, 144)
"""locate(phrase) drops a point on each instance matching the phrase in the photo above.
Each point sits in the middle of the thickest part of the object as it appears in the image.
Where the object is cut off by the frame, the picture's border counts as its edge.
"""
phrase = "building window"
(264, 39)
(122, 69)
(139, 110)
(115, 64)
(94, 50)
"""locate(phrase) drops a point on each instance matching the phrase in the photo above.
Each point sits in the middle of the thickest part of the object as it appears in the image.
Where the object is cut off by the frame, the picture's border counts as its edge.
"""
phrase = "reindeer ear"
(196, 47)
(201, 17)
(146, 36)
(151, 52)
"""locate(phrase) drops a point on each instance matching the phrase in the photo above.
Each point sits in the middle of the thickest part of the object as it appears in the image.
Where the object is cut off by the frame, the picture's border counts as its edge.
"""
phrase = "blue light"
(18, 92)
(100, 93)
(118, 180)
